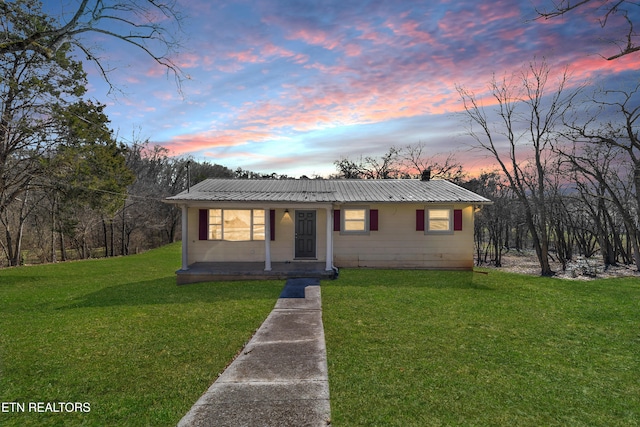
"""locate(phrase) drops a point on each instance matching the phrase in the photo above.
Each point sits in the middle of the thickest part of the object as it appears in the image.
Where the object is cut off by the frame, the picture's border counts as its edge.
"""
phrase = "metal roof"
(328, 191)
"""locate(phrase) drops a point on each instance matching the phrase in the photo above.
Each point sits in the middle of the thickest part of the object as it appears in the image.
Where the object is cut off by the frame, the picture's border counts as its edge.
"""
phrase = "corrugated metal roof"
(336, 191)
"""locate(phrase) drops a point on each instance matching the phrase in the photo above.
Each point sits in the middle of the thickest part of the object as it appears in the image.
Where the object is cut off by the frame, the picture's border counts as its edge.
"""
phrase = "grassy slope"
(119, 334)
(457, 348)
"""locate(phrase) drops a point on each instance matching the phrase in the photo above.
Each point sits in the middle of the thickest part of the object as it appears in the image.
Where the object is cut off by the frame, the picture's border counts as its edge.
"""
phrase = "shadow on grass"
(435, 279)
(165, 291)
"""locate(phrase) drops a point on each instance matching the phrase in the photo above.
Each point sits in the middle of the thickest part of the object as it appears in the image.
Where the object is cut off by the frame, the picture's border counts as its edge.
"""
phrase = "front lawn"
(428, 348)
(404, 347)
(120, 336)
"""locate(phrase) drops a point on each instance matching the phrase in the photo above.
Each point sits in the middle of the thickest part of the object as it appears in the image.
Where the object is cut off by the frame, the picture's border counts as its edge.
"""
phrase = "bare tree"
(386, 167)
(415, 159)
(589, 167)
(402, 163)
(606, 148)
(492, 223)
(152, 26)
(605, 9)
(148, 221)
(527, 112)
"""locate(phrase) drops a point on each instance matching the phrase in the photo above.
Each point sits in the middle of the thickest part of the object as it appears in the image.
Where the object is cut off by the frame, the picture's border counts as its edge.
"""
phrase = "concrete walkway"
(280, 377)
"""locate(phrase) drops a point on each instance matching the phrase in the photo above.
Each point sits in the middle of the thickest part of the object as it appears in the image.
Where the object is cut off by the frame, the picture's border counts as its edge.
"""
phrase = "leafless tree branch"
(152, 26)
(628, 43)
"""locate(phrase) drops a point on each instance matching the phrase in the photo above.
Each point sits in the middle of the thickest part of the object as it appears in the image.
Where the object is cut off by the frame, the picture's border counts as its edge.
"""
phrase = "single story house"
(283, 228)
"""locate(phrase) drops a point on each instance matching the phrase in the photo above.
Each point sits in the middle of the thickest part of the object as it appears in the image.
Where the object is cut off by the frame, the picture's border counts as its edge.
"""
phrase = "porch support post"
(329, 262)
(267, 241)
(185, 237)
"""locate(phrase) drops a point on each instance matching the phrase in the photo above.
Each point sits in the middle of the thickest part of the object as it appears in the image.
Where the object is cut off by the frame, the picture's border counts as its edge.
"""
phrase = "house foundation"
(225, 271)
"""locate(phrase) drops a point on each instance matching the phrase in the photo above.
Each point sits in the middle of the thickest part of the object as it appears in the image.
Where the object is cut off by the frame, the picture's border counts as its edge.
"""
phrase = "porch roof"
(328, 191)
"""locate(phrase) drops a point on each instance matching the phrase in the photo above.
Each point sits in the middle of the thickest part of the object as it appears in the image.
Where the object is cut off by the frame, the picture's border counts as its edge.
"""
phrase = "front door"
(305, 234)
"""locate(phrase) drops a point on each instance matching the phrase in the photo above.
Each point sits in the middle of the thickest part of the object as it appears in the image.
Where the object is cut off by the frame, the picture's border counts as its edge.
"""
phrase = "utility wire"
(98, 190)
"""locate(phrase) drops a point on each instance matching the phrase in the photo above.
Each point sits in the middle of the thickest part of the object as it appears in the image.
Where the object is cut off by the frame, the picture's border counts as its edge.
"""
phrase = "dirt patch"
(578, 269)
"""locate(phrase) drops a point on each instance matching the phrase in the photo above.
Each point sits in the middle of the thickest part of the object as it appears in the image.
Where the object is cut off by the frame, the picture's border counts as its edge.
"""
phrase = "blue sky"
(290, 86)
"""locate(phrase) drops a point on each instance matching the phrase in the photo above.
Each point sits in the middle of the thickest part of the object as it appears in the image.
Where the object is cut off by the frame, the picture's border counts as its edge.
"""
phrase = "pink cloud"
(457, 25)
(411, 30)
(132, 79)
(271, 50)
(165, 96)
(511, 34)
(595, 67)
(262, 53)
(260, 112)
(190, 142)
(314, 37)
(463, 24)
(188, 60)
(229, 68)
(244, 155)
(374, 35)
(352, 49)
(306, 108)
(245, 56)
(155, 70)
(503, 11)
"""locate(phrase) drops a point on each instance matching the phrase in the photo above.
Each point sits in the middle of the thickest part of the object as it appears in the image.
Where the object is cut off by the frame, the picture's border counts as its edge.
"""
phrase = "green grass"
(404, 348)
(428, 348)
(120, 335)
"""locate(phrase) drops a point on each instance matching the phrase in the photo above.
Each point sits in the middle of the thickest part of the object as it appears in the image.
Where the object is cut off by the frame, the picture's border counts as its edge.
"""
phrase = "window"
(355, 220)
(236, 224)
(215, 224)
(439, 220)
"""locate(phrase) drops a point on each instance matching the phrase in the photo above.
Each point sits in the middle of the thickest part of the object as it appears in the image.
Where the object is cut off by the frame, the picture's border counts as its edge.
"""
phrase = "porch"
(223, 271)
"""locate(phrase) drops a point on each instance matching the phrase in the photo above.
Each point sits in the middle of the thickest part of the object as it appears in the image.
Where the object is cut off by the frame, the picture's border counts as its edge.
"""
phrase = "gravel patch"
(578, 269)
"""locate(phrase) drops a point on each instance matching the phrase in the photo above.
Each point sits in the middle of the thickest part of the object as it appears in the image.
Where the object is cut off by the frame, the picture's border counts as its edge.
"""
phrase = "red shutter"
(457, 219)
(373, 219)
(272, 224)
(419, 219)
(336, 220)
(203, 224)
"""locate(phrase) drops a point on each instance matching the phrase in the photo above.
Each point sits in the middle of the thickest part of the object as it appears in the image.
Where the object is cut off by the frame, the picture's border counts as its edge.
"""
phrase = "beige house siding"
(218, 250)
(397, 244)
(282, 248)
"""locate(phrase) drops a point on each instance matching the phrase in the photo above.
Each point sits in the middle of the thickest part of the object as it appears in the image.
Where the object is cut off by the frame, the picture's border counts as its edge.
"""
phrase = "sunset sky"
(290, 86)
